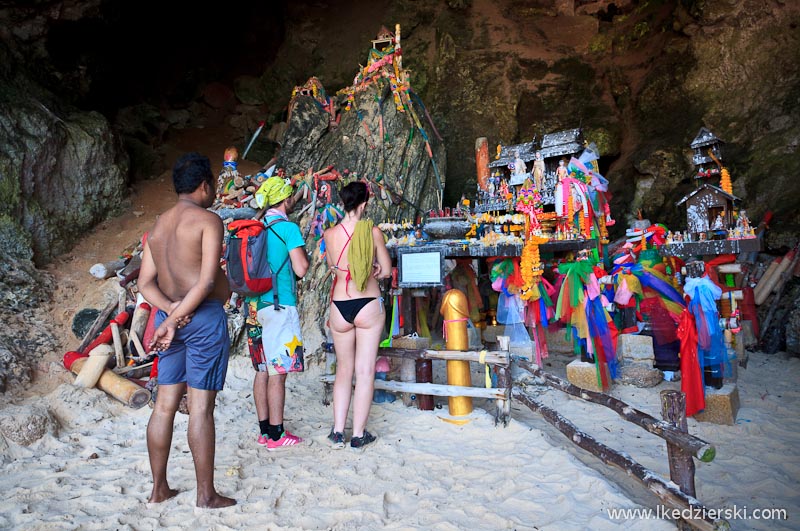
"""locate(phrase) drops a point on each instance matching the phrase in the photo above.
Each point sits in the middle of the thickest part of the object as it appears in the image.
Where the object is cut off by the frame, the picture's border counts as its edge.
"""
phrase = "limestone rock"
(640, 375)
(636, 348)
(25, 425)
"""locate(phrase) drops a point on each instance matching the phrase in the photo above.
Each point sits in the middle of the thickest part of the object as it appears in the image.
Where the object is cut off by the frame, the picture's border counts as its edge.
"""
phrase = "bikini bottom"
(350, 308)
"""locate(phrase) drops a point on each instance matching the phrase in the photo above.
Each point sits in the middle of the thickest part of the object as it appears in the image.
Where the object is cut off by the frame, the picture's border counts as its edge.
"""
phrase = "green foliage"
(601, 43)
(640, 30)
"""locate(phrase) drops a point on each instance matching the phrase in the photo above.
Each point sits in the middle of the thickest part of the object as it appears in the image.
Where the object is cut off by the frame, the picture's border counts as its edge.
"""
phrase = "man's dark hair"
(190, 171)
(353, 195)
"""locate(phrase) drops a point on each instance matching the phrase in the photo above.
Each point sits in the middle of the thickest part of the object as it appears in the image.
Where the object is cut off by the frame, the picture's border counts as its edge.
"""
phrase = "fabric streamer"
(711, 348)
(581, 307)
(691, 374)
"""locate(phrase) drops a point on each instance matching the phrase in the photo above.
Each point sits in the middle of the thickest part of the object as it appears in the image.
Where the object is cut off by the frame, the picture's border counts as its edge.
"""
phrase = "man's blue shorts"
(198, 355)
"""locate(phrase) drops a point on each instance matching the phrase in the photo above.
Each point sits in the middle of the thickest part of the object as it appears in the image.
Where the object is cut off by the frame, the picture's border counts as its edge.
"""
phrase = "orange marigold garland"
(531, 268)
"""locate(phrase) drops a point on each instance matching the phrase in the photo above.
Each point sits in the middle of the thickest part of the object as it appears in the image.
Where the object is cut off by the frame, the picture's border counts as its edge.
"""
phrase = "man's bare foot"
(217, 501)
(160, 495)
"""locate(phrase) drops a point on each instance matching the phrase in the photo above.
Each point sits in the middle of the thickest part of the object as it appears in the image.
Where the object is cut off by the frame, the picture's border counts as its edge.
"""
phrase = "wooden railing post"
(681, 465)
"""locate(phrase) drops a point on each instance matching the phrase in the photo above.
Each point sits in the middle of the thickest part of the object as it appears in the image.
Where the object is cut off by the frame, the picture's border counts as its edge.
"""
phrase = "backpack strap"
(275, 284)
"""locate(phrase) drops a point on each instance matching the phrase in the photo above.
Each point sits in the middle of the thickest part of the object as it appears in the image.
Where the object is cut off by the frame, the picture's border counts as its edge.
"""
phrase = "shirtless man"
(180, 274)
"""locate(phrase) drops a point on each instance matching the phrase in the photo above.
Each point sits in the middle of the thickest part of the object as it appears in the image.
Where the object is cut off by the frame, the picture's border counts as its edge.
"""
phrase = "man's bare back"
(182, 237)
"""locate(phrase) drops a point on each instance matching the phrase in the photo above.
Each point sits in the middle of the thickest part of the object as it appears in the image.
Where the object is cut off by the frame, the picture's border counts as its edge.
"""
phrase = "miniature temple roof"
(704, 138)
(564, 142)
(711, 187)
(383, 39)
(527, 152)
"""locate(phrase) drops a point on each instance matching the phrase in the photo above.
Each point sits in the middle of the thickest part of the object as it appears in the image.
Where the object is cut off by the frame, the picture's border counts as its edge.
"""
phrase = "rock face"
(61, 172)
(400, 158)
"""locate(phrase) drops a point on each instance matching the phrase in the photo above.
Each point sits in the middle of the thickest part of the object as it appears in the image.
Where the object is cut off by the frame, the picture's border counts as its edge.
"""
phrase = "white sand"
(758, 459)
(422, 473)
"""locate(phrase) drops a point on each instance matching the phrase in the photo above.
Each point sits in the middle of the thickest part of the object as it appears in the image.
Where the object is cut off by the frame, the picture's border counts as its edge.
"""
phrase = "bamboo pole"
(120, 388)
(667, 492)
(698, 448)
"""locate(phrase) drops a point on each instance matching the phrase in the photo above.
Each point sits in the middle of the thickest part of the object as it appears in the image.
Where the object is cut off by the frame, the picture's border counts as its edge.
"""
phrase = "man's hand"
(181, 321)
(162, 338)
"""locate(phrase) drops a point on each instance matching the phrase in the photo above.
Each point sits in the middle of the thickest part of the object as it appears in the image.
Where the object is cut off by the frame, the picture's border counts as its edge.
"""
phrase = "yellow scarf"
(361, 254)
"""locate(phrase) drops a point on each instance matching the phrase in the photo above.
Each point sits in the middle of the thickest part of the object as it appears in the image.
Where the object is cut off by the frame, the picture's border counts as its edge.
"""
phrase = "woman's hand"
(376, 270)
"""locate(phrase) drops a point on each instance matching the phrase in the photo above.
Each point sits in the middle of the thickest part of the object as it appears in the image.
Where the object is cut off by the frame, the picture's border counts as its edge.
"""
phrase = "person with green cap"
(273, 324)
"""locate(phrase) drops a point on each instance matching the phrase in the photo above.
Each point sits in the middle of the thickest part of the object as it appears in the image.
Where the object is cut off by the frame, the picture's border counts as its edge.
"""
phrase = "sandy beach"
(91, 470)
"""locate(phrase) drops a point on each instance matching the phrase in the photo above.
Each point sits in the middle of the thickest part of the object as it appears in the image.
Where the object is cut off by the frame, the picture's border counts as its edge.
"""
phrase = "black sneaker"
(360, 442)
(336, 439)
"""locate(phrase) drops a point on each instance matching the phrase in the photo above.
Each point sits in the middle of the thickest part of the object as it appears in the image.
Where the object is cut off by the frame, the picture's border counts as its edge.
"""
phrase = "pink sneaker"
(287, 439)
(262, 440)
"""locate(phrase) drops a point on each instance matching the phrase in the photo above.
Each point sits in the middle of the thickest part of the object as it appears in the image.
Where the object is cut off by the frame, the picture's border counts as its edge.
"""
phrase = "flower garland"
(531, 268)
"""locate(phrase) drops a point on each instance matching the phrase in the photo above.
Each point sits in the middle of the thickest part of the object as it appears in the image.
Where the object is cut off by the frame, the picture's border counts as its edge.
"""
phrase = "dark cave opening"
(161, 52)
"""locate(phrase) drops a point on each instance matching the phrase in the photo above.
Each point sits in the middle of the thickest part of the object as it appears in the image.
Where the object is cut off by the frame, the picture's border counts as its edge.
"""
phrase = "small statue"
(561, 171)
(519, 165)
(538, 171)
(519, 171)
(669, 237)
(719, 223)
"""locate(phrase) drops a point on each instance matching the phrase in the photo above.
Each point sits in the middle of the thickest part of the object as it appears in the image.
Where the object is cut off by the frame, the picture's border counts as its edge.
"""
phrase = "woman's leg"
(344, 343)
(369, 326)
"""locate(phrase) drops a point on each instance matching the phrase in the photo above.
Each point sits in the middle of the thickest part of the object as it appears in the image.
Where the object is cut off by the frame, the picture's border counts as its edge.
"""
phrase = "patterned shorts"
(280, 351)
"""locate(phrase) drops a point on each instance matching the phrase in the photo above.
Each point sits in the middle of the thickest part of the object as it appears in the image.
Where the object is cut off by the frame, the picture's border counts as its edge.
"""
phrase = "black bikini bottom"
(350, 308)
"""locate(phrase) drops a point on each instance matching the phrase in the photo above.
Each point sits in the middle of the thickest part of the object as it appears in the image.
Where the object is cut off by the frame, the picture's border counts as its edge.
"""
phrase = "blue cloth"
(711, 350)
(277, 253)
(198, 355)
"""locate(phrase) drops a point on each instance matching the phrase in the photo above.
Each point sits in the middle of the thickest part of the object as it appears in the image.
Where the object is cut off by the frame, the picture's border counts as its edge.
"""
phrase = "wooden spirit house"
(709, 208)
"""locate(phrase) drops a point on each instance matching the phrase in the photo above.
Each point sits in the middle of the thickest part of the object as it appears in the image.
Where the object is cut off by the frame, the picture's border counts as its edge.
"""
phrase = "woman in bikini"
(357, 256)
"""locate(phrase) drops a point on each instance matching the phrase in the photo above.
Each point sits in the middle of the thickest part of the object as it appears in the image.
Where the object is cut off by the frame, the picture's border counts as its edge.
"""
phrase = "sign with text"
(421, 267)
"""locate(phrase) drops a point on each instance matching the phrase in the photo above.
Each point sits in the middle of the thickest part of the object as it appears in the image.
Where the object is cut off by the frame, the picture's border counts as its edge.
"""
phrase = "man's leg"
(159, 438)
(276, 389)
(202, 443)
(261, 398)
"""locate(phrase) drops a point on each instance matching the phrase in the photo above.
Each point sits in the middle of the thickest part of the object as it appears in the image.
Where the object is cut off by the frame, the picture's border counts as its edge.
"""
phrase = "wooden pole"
(107, 270)
(503, 413)
(97, 325)
(492, 393)
(141, 314)
(408, 374)
(681, 466)
(696, 447)
(94, 366)
(667, 492)
(120, 355)
(424, 375)
(782, 277)
(492, 357)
